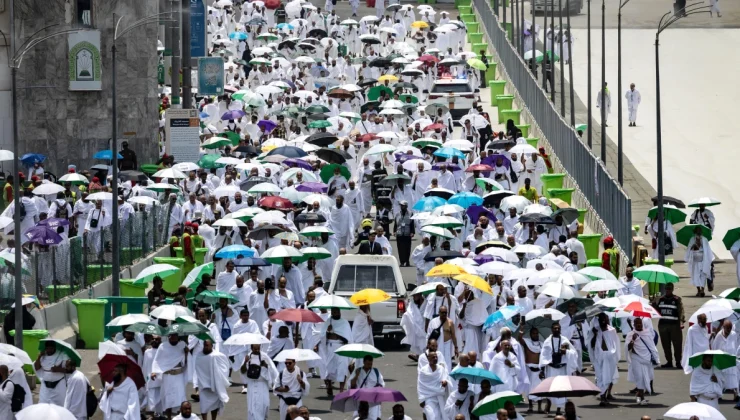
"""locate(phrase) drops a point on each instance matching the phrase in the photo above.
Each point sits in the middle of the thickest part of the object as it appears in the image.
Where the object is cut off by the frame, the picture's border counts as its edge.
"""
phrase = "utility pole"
(552, 52)
(176, 55)
(603, 81)
(187, 61)
(570, 70)
(620, 157)
(18, 296)
(562, 73)
(588, 94)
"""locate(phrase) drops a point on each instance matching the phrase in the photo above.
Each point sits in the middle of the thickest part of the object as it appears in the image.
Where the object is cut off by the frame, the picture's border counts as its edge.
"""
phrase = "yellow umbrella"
(267, 148)
(475, 281)
(419, 24)
(446, 270)
(369, 296)
(389, 77)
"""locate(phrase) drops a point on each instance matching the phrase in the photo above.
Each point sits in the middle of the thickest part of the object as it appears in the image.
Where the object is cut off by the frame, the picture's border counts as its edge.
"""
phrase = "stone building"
(64, 92)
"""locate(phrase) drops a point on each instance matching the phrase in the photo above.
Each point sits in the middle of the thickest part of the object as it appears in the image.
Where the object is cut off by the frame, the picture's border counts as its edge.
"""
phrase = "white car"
(456, 94)
(353, 273)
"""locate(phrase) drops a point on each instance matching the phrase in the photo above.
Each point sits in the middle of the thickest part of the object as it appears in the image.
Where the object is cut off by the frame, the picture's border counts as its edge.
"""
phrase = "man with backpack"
(78, 388)
(368, 377)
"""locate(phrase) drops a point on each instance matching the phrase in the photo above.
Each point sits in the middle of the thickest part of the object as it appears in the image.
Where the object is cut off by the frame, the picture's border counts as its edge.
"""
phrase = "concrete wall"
(69, 127)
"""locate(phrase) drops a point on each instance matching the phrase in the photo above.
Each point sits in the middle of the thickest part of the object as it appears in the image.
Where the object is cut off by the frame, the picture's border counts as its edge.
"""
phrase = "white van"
(353, 273)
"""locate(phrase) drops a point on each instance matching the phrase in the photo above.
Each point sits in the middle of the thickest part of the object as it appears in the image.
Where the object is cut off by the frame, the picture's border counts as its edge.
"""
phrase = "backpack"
(254, 371)
(19, 396)
(22, 211)
(91, 401)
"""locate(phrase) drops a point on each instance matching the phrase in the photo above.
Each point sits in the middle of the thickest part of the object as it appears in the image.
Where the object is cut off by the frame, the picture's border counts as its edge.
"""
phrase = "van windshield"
(353, 278)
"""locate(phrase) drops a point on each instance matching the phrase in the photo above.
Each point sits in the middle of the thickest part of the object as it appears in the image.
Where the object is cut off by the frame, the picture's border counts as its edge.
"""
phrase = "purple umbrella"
(491, 160)
(482, 259)
(475, 212)
(313, 187)
(349, 400)
(403, 157)
(266, 125)
(234, 114)
(54, 222)
(43, 235)
(297, 163)
(452, 167)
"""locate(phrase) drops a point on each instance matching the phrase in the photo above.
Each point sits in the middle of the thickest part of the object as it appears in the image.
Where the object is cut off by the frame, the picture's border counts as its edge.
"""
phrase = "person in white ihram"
(120, 400)
(212, 368)
(642, 357)
(433, 385)
(77, 386)
(261, 375)
(50, 370)
(170, 364)
(633, 101)
(604, 101)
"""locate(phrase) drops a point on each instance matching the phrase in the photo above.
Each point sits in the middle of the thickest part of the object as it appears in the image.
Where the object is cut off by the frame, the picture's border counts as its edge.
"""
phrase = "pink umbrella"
(297, 315)
(565, 387)
(348, 401)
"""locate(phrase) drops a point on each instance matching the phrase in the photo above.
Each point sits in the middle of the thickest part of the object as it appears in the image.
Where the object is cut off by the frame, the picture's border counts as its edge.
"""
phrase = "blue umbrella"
(288, 151)
(239, 35)
(285, 25)
(234, 114)
(476, 375)
(105, 155)
(429, 203)
(43, 235)
(449, 152)
(203, 115)
(235, 251)
(30, 158)
(466, 199)
(503, 314)
(316, 70)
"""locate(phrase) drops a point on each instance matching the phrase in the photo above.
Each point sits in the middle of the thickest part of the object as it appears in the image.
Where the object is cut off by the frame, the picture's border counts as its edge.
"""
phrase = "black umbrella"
(538, 218)
(317, 33)
(306, 46)
(370, 40)
(367, 105)
(263, 232)
(100, 167)
(367, 82)
(249, 150)
(310, 218)
(333, 155)
(441, 253)
(288, 151)
(254, 180)
(500, 144)
(581, 303)
(287, 44)
(392, 180)
(439, 193)
(322, 139)
(404, 85)
(132, 176)
(667, 199)
(493, 199)
(543, 325)
(380, 62)
(316, 117)
(587, 313)
(569, 214)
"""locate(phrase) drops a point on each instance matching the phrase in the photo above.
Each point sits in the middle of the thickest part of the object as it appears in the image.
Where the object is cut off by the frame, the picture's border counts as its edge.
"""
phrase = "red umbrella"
(479, 167)
(110, 361)
(639, 309)
(435, 126)
(297, 315)
(565, 387)
(274, 202)
(272, 4)
(428, 59)
(368, 137)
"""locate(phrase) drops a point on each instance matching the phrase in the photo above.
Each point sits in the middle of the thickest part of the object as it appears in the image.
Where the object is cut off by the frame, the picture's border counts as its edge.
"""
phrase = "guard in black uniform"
(670, 325)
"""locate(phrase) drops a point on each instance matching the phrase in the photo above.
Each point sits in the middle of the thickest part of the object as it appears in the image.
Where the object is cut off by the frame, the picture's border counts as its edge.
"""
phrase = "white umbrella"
(128, 319)
(572, 278)
(226, 191)
(447, 209)
(502, 253)
(444, 220)
(100, 196)
(246, 339)
(171, 173)
(421, 215)
(498, 268)
(544, 276)
(228, 161)
(274, 217)
(6, 155)
(156, 186)
(429, 287)
(529, 249)
(389, 135)
(413, 165)
(11, 362)
(142, 199)
(15, 351)
(602, 286)
(299, 355)
(438, 231)
(303, 94)
(24, 301)
(519, 274)
(186, 166)
(379, 149)
(545, 264)
(517, 201)
(328, 301)
(265, 187)
(323, 200)
(691, 409)
(460, 144)
(597, 273)
(707, 201)
(170, 312)
(315, 229)
(476, 120)
(523, 148)
(557, 290)
(537, 208)
(545, 312)
(45, 411)
(281, 251)
(232, 223)
(713, 313)
(392, 103)
(74, 178)
(392, 111)
(109, 347)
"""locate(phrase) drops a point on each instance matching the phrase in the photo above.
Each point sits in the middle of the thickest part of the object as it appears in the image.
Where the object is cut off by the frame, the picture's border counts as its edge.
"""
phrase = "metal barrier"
(610, 209)
(54, 272)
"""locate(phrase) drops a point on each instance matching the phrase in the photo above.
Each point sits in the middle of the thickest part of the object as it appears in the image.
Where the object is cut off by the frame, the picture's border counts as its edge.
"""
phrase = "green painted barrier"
(475, 38)
(172, 282)
(200, 256)
(491, 71)
(31, 341)
(582, 215)
(94, 275)
(504, 103)
(90, 318)
(468, 18)
(472, 27)
(479, 46)
(497, 89)
(565, 194)
(551, 181)
(509, 28)
(533, 141)
(511, 114)
(464, 10)
(57, 292)
(462, 3)
(591, 242)
(127, 288)
(524, 129)
(129, 255)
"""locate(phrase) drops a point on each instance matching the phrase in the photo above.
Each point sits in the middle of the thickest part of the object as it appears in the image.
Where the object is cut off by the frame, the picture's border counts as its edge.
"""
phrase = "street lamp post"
(665, 22)
(620, 158)
(551, 60)
(570, 70)
(115, 228)
(603, 81)
(588, 94)
(562, 74)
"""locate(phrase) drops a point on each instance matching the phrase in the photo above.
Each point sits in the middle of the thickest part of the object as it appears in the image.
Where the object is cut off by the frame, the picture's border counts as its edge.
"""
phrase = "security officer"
(403, 228)
(128, 162)
(670, 325)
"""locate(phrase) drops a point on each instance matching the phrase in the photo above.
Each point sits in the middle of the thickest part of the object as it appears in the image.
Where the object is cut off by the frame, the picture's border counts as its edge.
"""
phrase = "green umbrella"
(215, 143)
(731, 293)
(654, 273)
(393, 179)
(328, 171)
(319, 124)
(720, 359)
(186, 328)
(62, 347)
(7, 259)
(240, 94)
(684, 235)
(157, 270)
(209, 162)
(422, 143)
(552, 56)
(670, 213)
(212, 297)
(495, 402)
(146, 328)
(581, 127)
(224, 52)
(195, 276)
(376, 92)
(317, 109)
(483, 182)
(267, 37)
(316, 253)
(732, 236)
(414, 99)
(232, 136)
(477, 64)
(256, 101)
(581, 304)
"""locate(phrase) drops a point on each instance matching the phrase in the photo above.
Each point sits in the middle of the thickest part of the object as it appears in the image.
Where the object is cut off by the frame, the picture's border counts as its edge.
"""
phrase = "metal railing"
(610, 209)
(54, 272)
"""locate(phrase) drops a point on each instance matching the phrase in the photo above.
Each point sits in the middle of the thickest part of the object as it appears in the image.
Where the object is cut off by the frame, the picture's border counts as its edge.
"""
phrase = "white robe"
(340, 222)
(258, 390)
(696, 341)
(451, 408)
(702, 387)
(213, 381)
(122, 403)
(699, 262)
(290, 380)
(431, 392)
(57, 394)
(641, 361)
(508, 374)
(568, 362)
(605, 361)
(74, 401)
(153, 386)
(336, 366)
(446, 347)
(170, 357)
(17, 376)
(533, 376)
(6, 395)
(412, 323)
(729, 344)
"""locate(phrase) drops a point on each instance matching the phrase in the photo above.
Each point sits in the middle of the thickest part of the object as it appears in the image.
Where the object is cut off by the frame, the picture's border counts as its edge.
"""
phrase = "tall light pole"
(666, 21)
(562, 74)
(570, 70)
(15, 63)
(115, 228)
(187, 60)
(521, 27)
(551, 60)
(603, 81)
(620, 158)
(588, 94)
